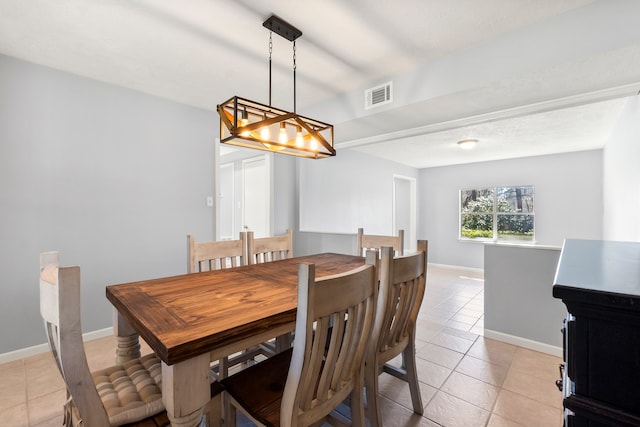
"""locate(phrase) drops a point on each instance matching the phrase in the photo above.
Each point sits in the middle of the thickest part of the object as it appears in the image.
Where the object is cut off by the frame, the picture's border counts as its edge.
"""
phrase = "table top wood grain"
(184, 316)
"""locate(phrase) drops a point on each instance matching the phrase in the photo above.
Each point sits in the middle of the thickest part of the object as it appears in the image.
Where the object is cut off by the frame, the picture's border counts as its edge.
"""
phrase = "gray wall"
(622, 177)
(518, 298)
(568, 201)
(351, 190)
(113, 179)
(340, 194)
(313, 243)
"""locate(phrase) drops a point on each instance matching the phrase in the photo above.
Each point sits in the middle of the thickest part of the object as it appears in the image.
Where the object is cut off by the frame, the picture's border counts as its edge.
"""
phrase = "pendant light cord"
(270, 50)
(294, 76)
(294, 70)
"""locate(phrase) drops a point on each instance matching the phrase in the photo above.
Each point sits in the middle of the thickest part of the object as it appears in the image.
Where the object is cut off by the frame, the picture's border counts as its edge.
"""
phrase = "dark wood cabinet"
(599, 282)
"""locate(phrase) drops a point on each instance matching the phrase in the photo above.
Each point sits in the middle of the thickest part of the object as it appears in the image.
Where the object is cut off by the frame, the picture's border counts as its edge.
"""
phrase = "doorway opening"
(244, 185)
(404, 209)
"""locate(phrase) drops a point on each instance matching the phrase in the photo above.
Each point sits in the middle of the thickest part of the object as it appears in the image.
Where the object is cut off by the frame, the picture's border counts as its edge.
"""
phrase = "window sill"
(506, 243)
(522, 245)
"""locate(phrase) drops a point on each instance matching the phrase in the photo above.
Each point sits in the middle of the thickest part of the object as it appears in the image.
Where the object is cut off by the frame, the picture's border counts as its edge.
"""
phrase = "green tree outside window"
(501, 213)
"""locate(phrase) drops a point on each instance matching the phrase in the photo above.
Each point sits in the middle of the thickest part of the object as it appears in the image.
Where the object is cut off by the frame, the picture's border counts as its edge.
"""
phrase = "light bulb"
(244, 121)
(283, 134)
(264, 131)
(314, 144)
(299, 140)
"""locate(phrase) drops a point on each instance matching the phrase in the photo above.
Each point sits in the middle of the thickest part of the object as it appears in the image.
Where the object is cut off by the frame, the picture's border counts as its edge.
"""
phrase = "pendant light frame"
(316, 140)
(232, 132)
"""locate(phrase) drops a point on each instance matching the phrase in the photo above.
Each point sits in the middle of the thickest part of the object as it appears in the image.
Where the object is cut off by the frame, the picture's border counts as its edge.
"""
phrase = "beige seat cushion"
(132, 391)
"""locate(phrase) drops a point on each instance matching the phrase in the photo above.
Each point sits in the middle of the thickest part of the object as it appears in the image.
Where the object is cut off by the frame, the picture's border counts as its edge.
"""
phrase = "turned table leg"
(186, 391)
(128, 344)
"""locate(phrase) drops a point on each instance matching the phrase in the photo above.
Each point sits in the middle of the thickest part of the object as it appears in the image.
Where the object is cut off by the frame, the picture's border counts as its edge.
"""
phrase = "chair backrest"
(207, 256)
(372, 241)
(267, 249)
(60, 310)
(320, 375)
(402, 288)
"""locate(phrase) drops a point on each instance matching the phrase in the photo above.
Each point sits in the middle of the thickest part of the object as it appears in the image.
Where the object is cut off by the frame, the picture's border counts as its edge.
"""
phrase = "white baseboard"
(43, 348)
(524, 342)
(456, 267)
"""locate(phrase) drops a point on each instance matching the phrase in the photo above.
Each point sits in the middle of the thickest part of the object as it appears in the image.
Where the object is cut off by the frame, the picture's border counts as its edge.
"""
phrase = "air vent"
(379, 95)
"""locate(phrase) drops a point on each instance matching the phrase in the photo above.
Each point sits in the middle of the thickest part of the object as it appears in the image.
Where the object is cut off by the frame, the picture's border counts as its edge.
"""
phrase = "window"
(499, 213)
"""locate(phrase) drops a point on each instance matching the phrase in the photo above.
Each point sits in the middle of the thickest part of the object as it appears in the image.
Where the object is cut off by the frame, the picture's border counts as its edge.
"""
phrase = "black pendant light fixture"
(251, 124)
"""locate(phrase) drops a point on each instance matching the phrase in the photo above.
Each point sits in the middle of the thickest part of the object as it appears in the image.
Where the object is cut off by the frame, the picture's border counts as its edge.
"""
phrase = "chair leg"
(409, 358)
(230, 415)
(371, 389)
(214, 411)
(357, 406)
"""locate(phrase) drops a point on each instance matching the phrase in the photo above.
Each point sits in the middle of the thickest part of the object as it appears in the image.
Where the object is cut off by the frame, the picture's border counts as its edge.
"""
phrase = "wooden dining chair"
(207, 256)
(266, 249)
(216, 255)
(372, 241)
(402, 288)
(109, 397)
(303, 385)
(126, 394)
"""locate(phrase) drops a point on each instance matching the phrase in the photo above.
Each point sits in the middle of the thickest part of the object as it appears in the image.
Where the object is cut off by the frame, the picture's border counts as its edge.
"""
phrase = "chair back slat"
(375, 242)
(207, 256)
(399, 325)
(267, 249)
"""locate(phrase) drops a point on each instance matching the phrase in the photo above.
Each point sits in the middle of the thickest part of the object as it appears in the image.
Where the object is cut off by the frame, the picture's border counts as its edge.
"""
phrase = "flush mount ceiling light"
(467, 144)
(251, 124)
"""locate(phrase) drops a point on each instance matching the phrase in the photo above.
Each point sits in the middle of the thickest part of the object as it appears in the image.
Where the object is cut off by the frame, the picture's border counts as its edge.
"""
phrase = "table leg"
(283, 342)
(186, 391)
(128, 344)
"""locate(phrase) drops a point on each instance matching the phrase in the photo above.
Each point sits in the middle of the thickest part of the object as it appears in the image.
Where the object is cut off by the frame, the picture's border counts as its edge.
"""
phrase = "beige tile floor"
(465, 379)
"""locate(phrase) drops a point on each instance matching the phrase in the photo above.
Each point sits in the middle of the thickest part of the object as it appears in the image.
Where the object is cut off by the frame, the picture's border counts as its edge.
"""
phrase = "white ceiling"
(578, 128)
(200, 53)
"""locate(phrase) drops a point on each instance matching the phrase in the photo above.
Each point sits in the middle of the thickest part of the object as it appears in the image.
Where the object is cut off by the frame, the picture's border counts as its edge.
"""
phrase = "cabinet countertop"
(604, 269)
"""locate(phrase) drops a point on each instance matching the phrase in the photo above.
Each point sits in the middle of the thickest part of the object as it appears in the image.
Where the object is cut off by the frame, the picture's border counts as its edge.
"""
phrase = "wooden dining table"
(193, 319)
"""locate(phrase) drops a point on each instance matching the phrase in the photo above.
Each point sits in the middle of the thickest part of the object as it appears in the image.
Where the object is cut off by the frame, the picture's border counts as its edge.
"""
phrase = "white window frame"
(495, 214)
